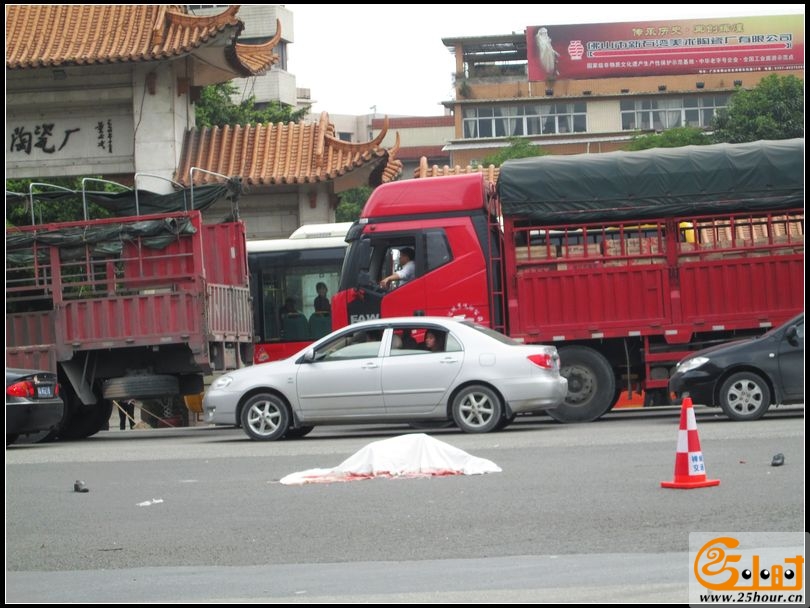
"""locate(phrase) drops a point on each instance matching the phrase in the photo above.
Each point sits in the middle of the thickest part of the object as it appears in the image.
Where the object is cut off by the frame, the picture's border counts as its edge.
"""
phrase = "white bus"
(286, 272)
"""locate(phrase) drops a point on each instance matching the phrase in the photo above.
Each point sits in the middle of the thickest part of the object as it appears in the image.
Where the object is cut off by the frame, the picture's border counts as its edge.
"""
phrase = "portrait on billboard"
(549, 58)
(711, 45)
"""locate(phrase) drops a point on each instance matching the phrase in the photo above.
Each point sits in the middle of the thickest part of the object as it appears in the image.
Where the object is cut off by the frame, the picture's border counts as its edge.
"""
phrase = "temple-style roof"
(60, 35)
(425, 170)
(276, 154)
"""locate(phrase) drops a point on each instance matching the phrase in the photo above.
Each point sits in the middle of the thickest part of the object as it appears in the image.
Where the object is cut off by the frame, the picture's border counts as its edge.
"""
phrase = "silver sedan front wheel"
(265, 417)
(477, 409)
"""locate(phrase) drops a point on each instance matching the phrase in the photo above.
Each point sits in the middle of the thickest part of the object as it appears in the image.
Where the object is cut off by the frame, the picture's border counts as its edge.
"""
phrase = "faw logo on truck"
(368, 317)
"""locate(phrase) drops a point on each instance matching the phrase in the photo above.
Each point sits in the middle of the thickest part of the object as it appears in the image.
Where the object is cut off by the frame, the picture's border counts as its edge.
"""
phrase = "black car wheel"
(745, 396)
(265, 417)
(477, 409)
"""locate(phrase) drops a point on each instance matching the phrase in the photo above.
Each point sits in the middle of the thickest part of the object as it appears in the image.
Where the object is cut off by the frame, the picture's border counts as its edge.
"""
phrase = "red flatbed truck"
(141, 306)
(626, 261)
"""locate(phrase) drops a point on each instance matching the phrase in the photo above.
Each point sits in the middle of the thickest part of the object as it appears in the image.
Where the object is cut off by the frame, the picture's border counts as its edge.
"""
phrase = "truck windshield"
(358, 259)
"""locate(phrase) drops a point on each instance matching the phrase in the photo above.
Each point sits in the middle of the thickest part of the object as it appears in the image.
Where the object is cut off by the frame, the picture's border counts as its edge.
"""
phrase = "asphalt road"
(577, 514)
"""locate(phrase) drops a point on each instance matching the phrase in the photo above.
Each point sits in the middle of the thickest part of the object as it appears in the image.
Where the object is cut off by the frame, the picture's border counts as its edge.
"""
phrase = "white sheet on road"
(416, 455)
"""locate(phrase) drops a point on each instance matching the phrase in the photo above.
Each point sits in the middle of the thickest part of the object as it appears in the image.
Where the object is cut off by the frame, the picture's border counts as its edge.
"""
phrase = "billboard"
(651, 48)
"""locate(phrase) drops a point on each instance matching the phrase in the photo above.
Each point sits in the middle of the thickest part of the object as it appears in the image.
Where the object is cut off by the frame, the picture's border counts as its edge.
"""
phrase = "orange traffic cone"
(690, 472)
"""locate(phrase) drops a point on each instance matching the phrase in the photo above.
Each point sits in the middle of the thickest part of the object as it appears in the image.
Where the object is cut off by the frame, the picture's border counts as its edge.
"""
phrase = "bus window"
(283, 269)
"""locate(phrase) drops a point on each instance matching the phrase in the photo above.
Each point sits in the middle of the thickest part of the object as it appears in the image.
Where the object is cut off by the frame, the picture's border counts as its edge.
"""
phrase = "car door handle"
(449, 360)
(369, 365)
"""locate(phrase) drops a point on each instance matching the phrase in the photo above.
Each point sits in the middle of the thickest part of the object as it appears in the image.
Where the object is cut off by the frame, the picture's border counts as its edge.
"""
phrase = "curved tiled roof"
(61, 35)
(424, 170)
(275, 154)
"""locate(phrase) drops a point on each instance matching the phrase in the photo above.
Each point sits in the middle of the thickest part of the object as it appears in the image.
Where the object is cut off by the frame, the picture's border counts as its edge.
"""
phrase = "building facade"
(591, 88)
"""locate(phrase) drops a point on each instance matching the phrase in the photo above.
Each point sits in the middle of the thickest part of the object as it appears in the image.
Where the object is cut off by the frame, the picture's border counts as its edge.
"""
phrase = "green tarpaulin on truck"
(648, 184)
(107, 239)
(127, 204)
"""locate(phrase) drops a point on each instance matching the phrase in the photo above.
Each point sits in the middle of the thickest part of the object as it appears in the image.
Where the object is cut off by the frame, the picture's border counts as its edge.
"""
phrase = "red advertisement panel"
(649, 48)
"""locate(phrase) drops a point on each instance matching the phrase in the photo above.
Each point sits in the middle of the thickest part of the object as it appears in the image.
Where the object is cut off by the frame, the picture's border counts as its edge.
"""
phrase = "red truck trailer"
(626, 261)
(141, 306)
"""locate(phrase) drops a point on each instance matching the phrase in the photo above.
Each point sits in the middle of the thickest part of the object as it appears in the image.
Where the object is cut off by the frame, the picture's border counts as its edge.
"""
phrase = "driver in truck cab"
(405, 273)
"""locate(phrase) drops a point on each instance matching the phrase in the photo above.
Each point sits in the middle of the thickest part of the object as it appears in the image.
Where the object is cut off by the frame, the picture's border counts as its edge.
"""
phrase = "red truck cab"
(446, 224)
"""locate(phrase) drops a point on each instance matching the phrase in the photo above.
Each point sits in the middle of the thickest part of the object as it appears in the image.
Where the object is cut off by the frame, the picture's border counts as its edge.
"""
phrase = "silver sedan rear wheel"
(477, 409)
(265, 417)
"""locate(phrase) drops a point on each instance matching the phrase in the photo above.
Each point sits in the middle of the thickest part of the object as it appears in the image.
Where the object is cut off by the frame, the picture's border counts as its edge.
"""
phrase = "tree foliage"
(68, 209)
(774, 109)
(351, 204)
(671, 138)
(518, 148)
(215, 109)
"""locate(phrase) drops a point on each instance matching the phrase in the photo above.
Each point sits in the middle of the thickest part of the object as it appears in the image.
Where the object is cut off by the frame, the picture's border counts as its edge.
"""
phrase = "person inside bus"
(288, 308)
(321, 302)
(406, 272)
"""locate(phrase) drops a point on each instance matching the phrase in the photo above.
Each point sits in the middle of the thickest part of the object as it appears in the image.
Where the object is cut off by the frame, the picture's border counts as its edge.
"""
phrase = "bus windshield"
(292, 282)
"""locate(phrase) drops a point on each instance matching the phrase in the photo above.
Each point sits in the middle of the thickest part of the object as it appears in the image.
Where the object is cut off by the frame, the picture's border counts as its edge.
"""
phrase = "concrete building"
(419, 137)
(591, 88)
(260, 20)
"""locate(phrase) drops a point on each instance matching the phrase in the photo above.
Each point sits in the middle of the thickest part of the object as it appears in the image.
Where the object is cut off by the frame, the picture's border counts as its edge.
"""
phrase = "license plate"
(44, 392)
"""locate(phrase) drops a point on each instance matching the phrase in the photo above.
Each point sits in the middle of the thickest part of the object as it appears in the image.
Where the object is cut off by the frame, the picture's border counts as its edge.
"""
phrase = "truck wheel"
(265, 417)
(83, 421)
(141, 387)
(79, 421)
(745, 396)
(477, 409)
(591, 385)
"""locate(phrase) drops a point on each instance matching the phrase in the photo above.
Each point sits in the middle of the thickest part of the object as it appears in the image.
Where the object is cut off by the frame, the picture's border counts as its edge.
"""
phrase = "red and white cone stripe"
(690, 470)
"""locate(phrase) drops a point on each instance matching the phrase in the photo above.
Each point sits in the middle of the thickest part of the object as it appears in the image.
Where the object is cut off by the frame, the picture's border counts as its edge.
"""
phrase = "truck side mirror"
(363, 279)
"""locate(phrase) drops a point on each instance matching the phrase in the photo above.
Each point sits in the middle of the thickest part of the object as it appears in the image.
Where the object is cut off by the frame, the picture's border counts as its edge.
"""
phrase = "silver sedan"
(407, 369)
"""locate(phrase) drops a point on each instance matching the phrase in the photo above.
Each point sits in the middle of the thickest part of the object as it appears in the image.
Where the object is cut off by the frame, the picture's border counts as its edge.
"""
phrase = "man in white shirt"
(406, 272)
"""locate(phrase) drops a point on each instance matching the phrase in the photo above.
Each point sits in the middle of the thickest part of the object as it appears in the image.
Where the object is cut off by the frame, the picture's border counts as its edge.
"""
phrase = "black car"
(745, 378)
(33, 403)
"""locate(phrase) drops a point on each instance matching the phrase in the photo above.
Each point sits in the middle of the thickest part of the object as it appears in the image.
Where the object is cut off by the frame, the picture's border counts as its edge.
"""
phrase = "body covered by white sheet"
(414, 455)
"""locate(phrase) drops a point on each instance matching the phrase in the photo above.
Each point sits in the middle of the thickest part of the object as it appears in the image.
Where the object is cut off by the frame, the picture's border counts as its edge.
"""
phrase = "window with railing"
(658, 114)
(525, 119)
